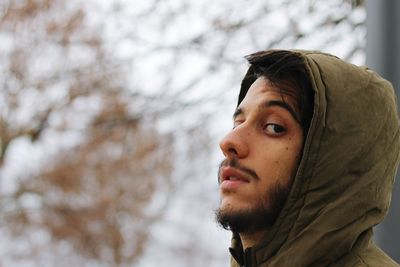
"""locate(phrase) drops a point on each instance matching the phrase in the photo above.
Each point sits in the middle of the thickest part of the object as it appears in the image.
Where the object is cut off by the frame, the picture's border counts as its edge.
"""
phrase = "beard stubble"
(258, 217)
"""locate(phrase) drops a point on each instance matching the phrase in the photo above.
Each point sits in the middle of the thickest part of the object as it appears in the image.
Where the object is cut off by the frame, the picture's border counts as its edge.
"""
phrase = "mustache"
(234, 163)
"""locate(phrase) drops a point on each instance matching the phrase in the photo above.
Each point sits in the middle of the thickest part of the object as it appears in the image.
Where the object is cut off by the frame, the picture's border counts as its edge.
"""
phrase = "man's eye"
(236, 123)
(274, 129)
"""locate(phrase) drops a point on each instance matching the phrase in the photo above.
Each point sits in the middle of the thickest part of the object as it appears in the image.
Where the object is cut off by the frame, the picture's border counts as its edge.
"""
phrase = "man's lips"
(228, 173)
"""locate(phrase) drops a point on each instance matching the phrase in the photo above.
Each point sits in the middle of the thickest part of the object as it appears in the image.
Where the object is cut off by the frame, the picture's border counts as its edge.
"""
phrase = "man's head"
(264, 147)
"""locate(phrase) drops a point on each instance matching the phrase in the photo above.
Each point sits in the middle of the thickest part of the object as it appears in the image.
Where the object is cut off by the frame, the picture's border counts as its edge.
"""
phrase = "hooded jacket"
(344, 181)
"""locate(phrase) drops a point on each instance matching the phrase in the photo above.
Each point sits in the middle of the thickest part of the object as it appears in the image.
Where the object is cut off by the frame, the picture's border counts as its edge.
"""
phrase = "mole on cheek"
(287, 148)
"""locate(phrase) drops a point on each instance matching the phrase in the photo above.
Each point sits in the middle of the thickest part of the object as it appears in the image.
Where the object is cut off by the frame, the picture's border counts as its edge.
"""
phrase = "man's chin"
(255, 218)
(246, 220)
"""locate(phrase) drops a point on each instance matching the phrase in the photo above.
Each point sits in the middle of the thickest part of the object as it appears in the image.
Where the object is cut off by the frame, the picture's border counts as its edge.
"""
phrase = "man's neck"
(251, 239)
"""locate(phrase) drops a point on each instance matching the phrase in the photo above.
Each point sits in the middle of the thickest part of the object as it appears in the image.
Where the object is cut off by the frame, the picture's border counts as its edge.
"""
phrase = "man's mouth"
(231, 177)
(232, 168)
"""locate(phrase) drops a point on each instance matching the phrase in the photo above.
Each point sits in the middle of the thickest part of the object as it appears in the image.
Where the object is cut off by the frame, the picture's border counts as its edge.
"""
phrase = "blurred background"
(110, 116)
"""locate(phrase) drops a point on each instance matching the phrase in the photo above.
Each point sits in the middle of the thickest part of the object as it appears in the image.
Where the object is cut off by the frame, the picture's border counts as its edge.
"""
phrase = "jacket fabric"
(344, 181)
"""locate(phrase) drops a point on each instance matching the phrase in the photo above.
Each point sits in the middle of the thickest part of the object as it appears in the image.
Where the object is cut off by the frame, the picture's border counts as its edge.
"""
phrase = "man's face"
(262, 153)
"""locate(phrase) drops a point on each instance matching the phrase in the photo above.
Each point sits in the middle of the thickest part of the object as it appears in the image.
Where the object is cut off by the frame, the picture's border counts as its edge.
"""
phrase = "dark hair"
(287, 71)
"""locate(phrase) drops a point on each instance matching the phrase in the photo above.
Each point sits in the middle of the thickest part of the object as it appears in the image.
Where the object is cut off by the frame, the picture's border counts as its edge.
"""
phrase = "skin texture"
(265, 143)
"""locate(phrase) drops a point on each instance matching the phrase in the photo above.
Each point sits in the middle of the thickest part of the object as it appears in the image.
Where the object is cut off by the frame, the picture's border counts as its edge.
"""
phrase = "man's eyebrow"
(272, 103)
(282, 104)
(237, 112)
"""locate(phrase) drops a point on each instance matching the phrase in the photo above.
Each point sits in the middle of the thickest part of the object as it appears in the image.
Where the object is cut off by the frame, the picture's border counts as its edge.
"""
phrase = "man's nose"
(234, 144)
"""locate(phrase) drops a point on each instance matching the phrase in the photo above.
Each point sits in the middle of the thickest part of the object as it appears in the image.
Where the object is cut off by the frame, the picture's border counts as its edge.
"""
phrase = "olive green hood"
(344, 181)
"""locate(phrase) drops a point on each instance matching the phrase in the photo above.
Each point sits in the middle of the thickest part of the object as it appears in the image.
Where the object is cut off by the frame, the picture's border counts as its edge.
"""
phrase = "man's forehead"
(262, 91)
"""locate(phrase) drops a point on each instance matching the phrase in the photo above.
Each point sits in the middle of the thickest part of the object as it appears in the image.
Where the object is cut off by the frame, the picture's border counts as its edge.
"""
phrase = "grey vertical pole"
(383, 44)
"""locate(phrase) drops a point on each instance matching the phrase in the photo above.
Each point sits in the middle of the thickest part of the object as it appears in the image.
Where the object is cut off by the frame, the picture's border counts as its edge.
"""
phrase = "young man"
(310, 162)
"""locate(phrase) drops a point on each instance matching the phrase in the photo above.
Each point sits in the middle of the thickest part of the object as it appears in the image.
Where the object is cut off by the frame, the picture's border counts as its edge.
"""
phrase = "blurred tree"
(94, 188)
(94, 194)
